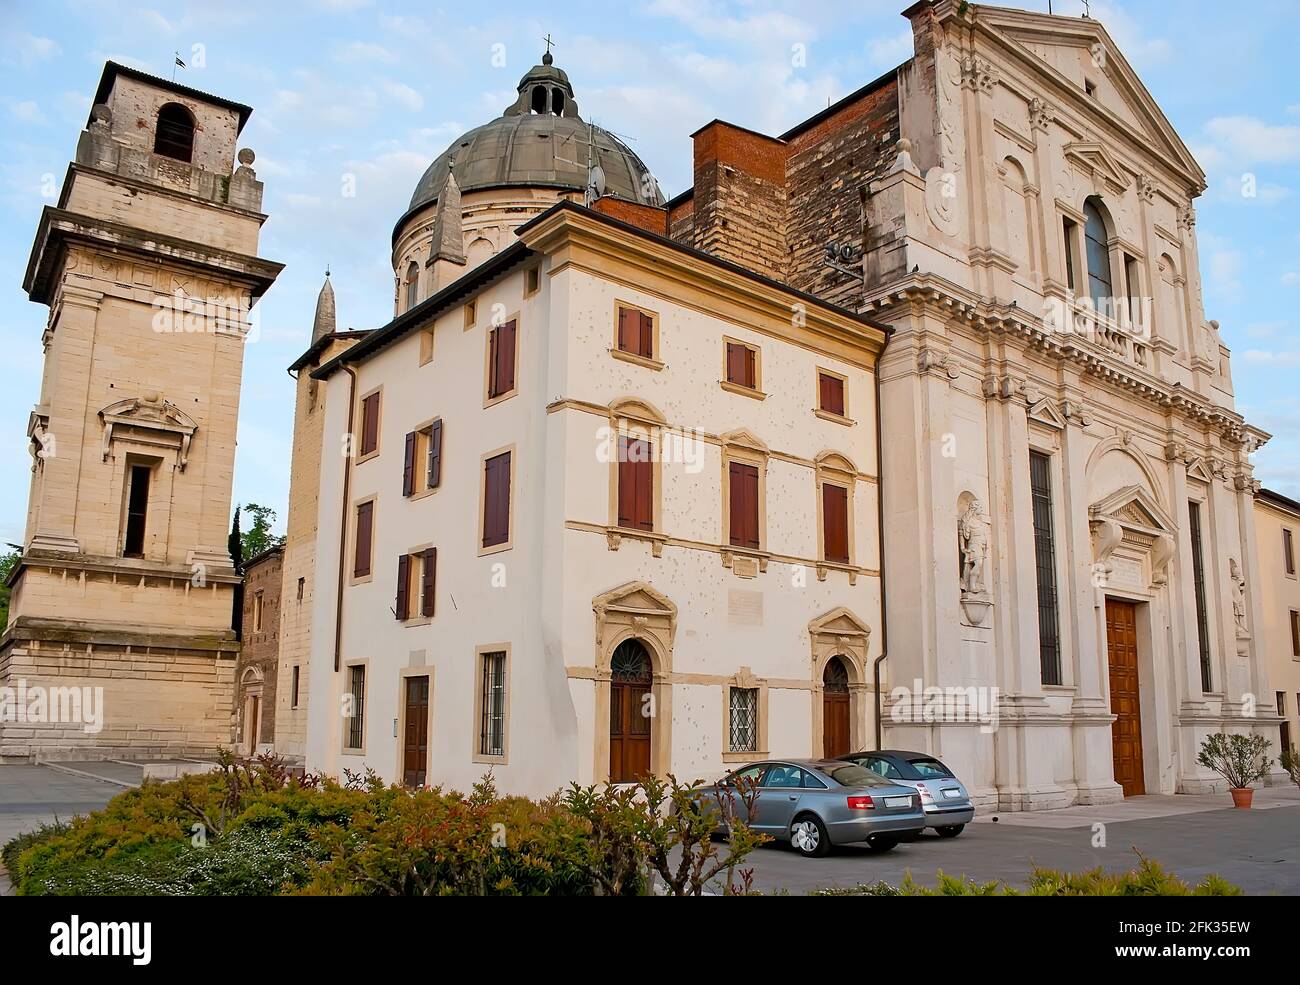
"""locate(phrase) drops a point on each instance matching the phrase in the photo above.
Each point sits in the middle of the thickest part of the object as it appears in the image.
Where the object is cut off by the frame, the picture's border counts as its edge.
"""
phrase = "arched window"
(412, 284)
(1097, 251)
(557, 102)
(174, 133)
(539, 99)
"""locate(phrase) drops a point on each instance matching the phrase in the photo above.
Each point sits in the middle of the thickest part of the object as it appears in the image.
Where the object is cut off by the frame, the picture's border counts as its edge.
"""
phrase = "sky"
(363, 95)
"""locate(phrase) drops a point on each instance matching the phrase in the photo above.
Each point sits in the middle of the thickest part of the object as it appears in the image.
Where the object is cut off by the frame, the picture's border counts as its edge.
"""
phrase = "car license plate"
(954, 794)
(898, 801)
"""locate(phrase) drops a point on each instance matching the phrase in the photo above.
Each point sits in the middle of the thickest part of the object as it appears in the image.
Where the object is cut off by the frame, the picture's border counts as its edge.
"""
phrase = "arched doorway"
(252, 711)
(835, 709)
(630, 712)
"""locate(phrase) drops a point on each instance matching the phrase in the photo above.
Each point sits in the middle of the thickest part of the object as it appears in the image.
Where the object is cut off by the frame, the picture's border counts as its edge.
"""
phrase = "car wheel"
(808, 836)
(882, 843)
(951, 831)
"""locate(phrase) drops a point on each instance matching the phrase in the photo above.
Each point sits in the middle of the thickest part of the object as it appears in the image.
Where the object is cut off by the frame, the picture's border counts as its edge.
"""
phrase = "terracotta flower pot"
(1241, 797)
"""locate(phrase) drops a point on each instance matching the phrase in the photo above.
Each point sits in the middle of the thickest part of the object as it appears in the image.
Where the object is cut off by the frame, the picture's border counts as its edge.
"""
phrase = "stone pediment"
(839, 622)
(744, 438)
(635, 596)
(1133, 507)
(1045, 42)
(1196, 469)
(1093, 158)
(1044, 413)
(149, 419)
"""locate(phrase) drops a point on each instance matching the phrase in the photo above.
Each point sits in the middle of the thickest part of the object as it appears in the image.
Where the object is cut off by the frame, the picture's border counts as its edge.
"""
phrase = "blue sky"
(376, 90)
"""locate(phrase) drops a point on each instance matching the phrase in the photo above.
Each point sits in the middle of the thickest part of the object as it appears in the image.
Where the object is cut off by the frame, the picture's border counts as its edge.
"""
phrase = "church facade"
(1069, 554)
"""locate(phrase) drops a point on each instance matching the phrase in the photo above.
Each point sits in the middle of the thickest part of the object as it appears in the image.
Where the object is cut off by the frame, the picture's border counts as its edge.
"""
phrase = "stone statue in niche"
(1238, 597)
(973, 554)
(973, 538)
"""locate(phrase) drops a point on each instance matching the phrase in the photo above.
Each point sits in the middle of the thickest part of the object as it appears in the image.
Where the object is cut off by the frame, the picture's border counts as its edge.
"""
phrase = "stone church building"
(916, 400)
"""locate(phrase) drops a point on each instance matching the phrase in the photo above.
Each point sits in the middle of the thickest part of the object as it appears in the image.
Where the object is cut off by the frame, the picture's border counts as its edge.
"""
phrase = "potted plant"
(1239, 759)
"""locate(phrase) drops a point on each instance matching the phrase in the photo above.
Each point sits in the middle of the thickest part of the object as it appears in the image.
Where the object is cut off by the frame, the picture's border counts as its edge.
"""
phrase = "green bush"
(1148, 879)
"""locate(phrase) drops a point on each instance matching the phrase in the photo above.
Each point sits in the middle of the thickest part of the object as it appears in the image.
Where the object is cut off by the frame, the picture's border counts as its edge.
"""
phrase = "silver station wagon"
(947, 803)
(817, 803)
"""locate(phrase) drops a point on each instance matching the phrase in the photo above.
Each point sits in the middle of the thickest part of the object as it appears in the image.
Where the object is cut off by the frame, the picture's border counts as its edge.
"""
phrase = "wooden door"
(253, 721)
(1125, 703)
(835, 710)
(630, 713)
(415, 744)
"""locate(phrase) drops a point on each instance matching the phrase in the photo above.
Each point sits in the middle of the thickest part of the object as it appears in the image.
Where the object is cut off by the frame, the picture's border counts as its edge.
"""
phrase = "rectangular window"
(742, 367)
(636, 332)
(1134, 287)
(635, 484)
(1049, 636)
(742, 481)
(369, 424)
(471, 315)
(1198, 584)
(532, 281)
(502, 341)
(492, 705)
(835, 523)
(830, 394)
(1295, 633)
(422, 460)
(496, 500)
(426, 345)
(744, 719)
(302, 585)
(293, 688)
(428, 580)
(1068, 227)
(257, 612)
(357, 720)
(137, 508)
(365, 531)
(1288, 551)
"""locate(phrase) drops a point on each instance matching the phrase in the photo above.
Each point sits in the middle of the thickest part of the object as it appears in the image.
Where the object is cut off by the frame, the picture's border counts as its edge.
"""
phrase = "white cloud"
(1243, 141)
(885, 53)
(710, 20)
(1134, 44)
(1291, 277)
(1271, 358)
(26, 112)
(365, 51)
(31, 48)
(403, 95)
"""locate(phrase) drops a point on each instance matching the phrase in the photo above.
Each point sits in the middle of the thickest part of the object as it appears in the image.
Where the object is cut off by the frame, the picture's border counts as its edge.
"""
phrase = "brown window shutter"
(435, 455)
(503, 359)
(748, 356)
(1288, 551)
(404, 587)
(496, 500)
(494, 345)
(744, 505)
(626, 483)
(832, 394)
(370, 424)
(428, 579)
(735, 363)
(408, 465)
(1295, 634)
(644, 518)
(647, 341)
(835, 523)
(627, 329)
(365, 522)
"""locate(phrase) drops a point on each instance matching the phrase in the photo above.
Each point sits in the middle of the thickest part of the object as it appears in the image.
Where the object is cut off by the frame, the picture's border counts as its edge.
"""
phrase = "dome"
(540, 141)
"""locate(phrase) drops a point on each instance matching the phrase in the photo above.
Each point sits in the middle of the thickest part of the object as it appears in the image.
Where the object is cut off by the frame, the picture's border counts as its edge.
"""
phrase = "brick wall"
(261, 646)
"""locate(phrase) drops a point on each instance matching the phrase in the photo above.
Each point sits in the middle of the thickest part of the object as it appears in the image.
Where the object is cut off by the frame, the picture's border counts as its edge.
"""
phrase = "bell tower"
(149, 268)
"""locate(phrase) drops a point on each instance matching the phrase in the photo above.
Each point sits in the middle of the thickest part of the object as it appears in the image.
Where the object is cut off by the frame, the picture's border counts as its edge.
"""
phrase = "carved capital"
(933, 361)
(1041, 114)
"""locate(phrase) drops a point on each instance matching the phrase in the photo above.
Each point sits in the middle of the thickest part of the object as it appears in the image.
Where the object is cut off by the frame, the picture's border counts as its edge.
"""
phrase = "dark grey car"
(817, 803)
(947, 804)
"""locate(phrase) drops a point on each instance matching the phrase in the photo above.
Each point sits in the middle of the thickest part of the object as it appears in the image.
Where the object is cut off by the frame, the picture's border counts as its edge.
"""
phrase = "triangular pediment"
(1056, 47)
(150, 410)
(838, 622)
(744, 438)
(635, 596)
(1044, 413)
(1196, 469)
(1133, 507)
(1093, 158)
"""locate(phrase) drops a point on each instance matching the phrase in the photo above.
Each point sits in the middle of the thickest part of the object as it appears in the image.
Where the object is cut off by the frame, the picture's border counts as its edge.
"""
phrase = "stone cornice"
(938, 295)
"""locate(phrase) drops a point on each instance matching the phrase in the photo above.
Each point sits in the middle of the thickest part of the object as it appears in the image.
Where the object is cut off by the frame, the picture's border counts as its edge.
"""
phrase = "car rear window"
(852, 775)
(930, 768)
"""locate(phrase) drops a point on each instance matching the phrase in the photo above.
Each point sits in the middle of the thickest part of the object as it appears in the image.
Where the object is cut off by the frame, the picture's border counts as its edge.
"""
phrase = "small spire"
(324, 322)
